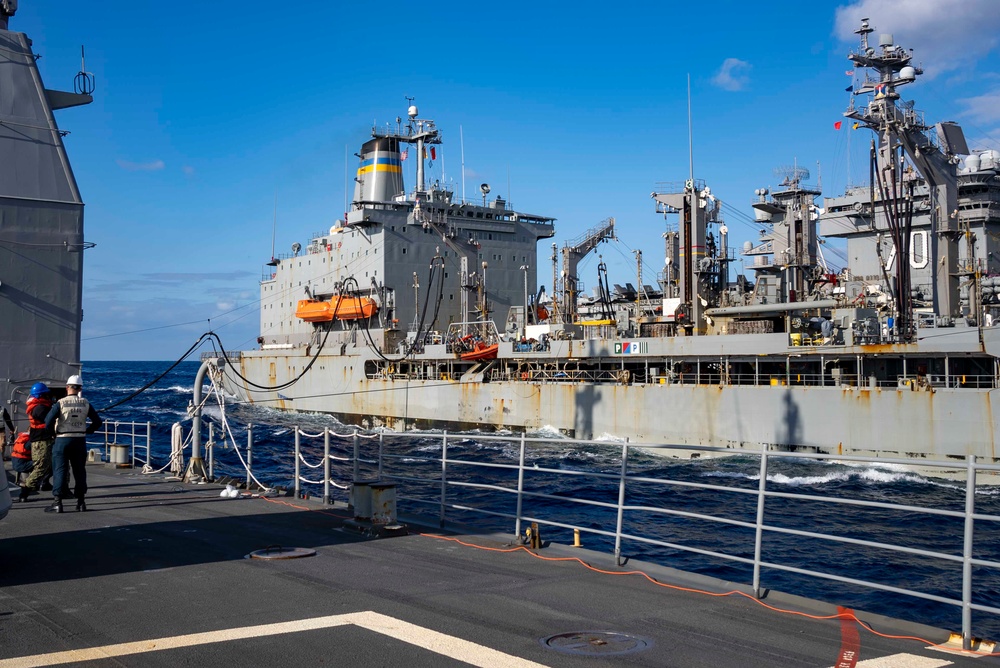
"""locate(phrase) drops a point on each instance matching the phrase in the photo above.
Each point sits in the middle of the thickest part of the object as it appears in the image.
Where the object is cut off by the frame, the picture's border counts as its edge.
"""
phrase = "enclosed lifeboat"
(476, 349)
(481, 351)
(339, 307)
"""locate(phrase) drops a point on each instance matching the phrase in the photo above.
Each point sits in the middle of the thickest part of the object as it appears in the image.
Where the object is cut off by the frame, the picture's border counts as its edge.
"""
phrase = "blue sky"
(204, 112)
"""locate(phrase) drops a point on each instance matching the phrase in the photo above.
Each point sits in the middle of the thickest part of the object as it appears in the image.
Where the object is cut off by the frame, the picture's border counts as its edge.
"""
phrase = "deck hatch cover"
(596, 643)
(278, 552)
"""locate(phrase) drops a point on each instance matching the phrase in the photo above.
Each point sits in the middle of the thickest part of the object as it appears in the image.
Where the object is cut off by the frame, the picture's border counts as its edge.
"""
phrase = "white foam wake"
(881, 475)
(547, 431)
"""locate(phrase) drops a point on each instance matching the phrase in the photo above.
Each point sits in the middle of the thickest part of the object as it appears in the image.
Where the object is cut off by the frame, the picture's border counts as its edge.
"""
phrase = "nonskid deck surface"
(154, 574)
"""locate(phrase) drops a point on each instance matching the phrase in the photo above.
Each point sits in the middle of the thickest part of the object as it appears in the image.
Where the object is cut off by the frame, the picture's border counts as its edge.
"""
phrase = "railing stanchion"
(326, 465)
(970, 509)
(298, 463)
(357, 457)
(149, 433)
(381, 447)
(520, 489)
(249, 453)
(444, 475)
(211, 451)
(759, 531)
(621, 504)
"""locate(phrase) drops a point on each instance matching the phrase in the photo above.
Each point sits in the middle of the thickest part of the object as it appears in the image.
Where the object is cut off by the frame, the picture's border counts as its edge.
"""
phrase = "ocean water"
(417, 455)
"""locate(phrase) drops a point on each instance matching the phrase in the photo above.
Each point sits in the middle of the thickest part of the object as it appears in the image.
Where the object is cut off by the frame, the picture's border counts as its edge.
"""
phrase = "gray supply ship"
(420, 310)
(41, 225)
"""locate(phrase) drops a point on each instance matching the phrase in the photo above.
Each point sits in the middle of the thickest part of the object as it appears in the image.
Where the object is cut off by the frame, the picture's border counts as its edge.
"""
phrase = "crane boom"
(572, 253)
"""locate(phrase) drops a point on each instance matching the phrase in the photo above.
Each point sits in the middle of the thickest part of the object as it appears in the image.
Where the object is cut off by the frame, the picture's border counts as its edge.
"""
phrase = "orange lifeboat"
(312, 310)
(480, 351)
(339, 307)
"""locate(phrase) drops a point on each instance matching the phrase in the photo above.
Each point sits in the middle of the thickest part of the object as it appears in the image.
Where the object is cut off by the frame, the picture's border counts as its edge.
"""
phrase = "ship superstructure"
(41, 225)
(894, 354)
(424, 259)
(922, 232)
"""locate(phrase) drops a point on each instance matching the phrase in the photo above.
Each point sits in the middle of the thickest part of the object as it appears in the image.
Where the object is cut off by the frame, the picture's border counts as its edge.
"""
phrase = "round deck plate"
(282, 553)
(596, 643)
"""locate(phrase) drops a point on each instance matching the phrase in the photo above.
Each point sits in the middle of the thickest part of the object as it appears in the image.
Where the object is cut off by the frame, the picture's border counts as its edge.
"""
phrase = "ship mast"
(421, 135)
(899, 126)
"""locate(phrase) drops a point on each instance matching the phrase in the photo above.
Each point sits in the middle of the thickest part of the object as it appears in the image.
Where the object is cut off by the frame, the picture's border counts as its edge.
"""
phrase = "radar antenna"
(83, 82)
(793, 174)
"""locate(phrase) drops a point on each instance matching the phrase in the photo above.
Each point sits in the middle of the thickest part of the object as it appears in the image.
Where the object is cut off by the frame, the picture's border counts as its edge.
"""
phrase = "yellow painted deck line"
(440, 643)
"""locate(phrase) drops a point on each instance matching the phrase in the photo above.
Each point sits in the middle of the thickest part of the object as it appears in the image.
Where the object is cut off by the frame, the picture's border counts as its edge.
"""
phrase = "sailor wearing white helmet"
(68, 418)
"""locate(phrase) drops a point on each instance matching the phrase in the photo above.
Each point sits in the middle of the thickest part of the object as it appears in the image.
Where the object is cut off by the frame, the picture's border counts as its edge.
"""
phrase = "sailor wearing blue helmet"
(40, 440)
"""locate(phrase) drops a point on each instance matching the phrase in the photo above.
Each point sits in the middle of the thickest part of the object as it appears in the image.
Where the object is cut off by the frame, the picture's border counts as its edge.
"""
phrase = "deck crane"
(572, 253)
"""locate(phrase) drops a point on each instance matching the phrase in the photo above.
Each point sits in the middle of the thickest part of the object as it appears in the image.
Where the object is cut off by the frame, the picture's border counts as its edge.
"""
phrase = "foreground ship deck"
(159, 566)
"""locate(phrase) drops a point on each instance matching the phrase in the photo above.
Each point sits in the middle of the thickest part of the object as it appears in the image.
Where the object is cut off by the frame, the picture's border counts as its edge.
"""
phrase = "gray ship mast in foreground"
(893, 355)
(41, 225)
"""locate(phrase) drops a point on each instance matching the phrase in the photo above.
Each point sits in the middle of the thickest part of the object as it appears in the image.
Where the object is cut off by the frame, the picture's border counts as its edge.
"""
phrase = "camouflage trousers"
(41, 455)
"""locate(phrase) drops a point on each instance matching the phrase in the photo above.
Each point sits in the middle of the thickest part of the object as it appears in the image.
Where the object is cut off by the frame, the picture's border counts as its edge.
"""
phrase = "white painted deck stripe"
(440, 643)
(903, 661)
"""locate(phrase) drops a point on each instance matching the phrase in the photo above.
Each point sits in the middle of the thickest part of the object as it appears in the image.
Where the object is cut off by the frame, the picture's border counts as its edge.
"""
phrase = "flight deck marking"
(903, 661)
(440, 643)
(850, 640)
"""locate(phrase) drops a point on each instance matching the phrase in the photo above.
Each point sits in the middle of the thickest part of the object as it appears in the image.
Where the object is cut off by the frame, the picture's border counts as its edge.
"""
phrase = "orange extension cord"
(844, 614)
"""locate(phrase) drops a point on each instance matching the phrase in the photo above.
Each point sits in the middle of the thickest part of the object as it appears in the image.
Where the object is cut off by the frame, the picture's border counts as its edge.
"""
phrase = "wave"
(870, 474)
(547, 431)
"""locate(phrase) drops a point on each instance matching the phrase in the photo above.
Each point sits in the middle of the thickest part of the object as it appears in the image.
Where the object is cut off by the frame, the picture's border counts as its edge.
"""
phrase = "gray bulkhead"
(41, 230)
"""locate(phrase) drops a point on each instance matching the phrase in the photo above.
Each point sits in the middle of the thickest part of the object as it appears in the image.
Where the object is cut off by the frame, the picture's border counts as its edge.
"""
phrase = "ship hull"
(881, 422)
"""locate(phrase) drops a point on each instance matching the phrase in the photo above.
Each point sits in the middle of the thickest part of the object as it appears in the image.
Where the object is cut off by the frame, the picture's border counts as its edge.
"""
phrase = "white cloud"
(982, 108)
(153, 166)
(188, 170)
(733, 75)
(943, 35)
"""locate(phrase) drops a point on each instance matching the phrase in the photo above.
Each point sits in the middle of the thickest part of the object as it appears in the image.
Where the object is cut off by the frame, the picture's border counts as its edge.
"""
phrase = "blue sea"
(273, 464)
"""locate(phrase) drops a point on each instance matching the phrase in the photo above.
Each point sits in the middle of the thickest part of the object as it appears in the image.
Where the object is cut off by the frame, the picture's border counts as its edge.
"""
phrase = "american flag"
(403, 155)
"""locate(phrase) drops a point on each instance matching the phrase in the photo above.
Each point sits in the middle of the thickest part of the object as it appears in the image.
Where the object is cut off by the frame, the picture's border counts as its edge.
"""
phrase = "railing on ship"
(644, 504)
(120, 442)
(441, 477)
(709, 376)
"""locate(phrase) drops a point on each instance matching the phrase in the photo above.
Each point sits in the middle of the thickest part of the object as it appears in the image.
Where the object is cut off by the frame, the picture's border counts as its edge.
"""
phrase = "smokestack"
(380, 175)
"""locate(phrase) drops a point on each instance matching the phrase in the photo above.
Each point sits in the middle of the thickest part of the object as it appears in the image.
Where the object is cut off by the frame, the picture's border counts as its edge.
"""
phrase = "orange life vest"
(22, 447)
(32, 402)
